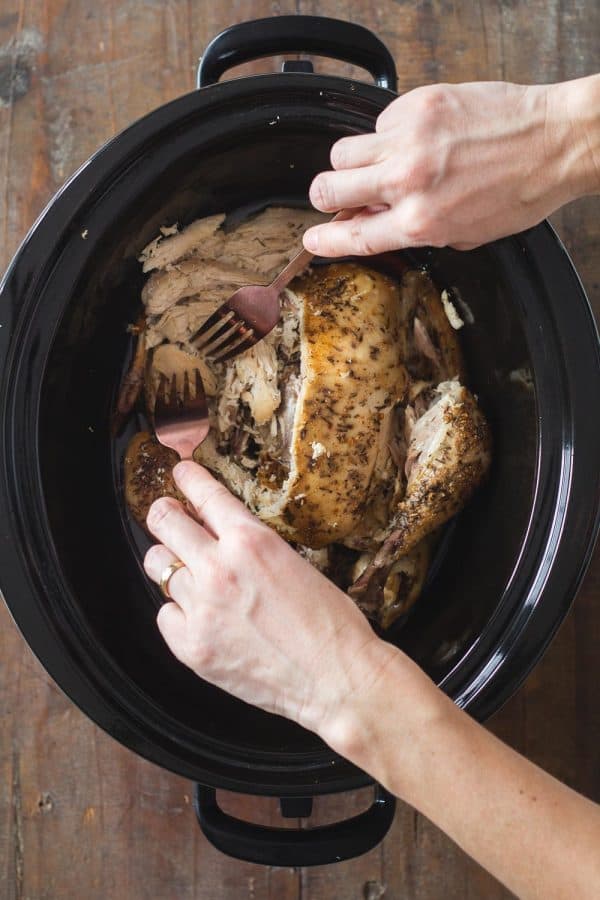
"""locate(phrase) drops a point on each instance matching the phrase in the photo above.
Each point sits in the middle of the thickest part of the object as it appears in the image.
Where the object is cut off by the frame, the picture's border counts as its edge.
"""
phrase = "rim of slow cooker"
(555, 476)
(94, 691)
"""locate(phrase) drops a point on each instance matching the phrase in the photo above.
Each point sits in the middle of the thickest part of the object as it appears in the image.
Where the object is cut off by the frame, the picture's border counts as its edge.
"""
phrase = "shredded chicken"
(258, 391)
(193, 271)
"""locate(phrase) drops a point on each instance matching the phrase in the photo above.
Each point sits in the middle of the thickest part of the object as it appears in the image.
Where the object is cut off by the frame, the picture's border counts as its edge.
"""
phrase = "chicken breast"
(351, 376)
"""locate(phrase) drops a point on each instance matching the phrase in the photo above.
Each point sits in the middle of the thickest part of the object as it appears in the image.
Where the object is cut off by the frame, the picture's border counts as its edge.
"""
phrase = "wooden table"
(81, 816)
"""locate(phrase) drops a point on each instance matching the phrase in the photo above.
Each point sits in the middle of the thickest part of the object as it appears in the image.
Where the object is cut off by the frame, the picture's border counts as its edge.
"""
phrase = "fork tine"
(161, 404)
(212, 326)
(186, 389)
(162, 385)
(199, 401)
(172, 401)
(244, 342)
(219, 335)
(161, 391)
(232, 337)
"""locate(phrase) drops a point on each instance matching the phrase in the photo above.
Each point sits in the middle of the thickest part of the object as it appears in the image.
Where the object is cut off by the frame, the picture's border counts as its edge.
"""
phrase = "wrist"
(385, 724)
(574, 116)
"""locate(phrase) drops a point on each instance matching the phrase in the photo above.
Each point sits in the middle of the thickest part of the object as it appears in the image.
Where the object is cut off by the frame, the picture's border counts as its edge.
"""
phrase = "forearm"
(368, 700)
(573, 124)
(537, 836)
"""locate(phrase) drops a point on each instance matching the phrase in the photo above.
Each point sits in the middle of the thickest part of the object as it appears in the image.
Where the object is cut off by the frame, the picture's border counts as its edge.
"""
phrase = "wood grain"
(80, 815)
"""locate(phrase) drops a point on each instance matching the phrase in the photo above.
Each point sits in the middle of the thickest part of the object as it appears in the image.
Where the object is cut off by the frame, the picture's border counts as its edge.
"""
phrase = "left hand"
(253, 617)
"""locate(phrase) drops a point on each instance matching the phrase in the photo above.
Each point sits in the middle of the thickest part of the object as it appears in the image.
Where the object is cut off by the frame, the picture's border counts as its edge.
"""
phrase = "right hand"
(458, 165)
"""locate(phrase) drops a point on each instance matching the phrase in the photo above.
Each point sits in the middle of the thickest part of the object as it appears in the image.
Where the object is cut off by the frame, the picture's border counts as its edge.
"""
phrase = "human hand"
(458, 165)
(253, 617)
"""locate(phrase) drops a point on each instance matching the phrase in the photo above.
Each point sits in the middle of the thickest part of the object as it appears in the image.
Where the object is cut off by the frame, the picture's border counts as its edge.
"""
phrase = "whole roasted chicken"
(348, 429)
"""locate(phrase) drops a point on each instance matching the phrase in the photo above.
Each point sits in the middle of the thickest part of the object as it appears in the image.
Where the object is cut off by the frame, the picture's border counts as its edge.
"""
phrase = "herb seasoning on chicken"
(348, 428)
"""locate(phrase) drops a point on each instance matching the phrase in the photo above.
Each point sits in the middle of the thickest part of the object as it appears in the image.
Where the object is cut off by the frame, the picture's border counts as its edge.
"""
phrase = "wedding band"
(166, 576)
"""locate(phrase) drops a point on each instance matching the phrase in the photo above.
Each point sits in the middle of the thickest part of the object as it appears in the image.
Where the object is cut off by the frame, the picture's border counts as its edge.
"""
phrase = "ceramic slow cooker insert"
(70, 558)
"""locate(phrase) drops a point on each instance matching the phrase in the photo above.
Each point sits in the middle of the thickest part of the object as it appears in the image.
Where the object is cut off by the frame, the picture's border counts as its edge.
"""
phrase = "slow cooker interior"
(100, 550)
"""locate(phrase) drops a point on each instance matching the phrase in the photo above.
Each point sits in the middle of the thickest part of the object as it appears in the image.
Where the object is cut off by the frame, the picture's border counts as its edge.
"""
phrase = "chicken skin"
(449, 453)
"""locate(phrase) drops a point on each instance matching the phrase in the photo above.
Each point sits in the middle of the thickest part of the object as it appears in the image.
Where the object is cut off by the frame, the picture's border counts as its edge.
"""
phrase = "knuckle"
(422, 174)
(437, 236)
(385, 181)
(211, 496)
(386, 118)
(432, 112)
(161, 511)
(252, 537)
(152, 557)
(162, 620)
(360, 241)
(415, 232)
(232, 580)
(433, 100)
(199, 650)
(227, 582)
(418, 222)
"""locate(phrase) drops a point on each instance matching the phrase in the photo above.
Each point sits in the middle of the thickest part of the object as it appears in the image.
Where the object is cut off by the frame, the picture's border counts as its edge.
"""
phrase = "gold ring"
(167, 574)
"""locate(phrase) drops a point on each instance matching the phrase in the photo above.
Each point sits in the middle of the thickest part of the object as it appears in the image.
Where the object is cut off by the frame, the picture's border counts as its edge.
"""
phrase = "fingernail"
(311, 241)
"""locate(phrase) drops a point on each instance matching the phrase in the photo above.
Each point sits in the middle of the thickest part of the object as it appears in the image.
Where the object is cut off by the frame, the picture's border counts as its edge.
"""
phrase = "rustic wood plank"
(83, 816)
(527, 43)
(354, 878)
(80, 815)
(24, 189)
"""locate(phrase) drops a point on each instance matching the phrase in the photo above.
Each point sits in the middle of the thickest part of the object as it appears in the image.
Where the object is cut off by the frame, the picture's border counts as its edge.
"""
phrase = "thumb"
(366, 234)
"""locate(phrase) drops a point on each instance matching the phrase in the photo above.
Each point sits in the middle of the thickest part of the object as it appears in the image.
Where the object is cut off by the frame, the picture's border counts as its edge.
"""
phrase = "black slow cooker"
(70, 559)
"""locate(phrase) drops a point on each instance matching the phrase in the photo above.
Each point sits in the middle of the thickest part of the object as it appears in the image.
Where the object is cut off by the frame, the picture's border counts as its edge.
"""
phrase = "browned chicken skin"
(449, 454)
(148, 468)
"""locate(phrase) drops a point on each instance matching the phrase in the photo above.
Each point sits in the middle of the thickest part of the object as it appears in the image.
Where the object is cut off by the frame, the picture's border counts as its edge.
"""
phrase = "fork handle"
(302, 259)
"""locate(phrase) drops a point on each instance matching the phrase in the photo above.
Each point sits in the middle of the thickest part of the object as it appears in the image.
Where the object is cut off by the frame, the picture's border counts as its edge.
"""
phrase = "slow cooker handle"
(297, 34)
(290, 846)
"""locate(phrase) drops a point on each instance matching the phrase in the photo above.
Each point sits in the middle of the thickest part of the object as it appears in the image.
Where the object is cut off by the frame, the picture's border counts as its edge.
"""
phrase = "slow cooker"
(71, 560)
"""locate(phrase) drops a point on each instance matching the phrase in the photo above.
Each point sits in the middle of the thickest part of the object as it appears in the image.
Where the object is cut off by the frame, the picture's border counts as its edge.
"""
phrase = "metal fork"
(180, 419)
(251, 312)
